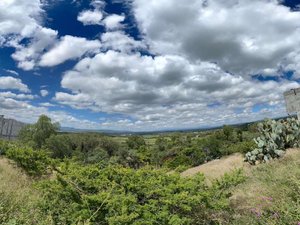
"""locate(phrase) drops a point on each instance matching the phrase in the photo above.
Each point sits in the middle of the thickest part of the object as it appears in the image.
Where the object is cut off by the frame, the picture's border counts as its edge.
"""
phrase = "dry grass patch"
(217, 168)
(18, 198)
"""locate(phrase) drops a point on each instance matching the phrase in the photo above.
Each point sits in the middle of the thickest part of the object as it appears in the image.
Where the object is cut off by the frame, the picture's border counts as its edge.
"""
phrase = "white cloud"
(242, 36)
(12, 72)
(46, 104)
(113, 21)
(69, 47)
(28, 55)
(20, 27)
(90, 17)
(167, 91)
(98, 4)
(44, 93)
(7, 82)
(198, 72)
(19, 17)
(118, 40)
(25, 112)
(12, 95)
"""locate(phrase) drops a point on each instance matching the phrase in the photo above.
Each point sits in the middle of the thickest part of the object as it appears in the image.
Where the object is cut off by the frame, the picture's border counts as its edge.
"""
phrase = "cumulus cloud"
(222, 31)
(44, 93)
(25, 112)
(19, 17)
(28, 55)
(69, 47)
(195, 68)
(20, 28)
(119, 40)
(7, 82)
(90, 17)
(12, 95)
(167, 91)
(113, 22)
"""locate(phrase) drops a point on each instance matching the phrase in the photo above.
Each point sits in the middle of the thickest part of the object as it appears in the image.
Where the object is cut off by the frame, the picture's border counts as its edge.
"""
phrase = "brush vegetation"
(54, 178)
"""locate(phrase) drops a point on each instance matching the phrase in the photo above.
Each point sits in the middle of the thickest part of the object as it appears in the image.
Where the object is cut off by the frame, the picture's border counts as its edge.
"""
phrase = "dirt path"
(217, 168)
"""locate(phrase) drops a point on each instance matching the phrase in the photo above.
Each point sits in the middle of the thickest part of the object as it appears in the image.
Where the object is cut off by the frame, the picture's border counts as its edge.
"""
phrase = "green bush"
(242, 147)
(34, 162)
(4, 146)
(216, 208)
(60, 146)
(180, 160)
(117, 195)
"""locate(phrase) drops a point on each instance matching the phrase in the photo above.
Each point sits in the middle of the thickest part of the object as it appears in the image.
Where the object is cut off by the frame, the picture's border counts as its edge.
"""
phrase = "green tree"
(26, 134)
(135, 142)
(228, 131)
(161, 143)
(60, 146)
(44, 128)
(37, 133)
(239, 133)
(109, 145)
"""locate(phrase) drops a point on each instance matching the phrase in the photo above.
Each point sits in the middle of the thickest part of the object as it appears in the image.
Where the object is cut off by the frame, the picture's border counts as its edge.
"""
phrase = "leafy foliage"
(60, 146)
(37, 133)
(118, 195)
(228, 131)
(34, 162)
(135, 142)
(4, 146)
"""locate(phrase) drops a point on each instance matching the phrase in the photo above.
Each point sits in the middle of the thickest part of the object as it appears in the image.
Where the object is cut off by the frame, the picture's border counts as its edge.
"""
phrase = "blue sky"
(147, 64)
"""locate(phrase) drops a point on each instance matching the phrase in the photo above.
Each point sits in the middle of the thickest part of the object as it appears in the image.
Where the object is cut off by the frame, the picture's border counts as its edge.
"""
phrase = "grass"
(18, 199)
(217, 168)
(271, 194)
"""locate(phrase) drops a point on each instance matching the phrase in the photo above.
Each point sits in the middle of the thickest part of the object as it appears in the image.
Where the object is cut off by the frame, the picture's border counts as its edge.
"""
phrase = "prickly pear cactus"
(275, 137)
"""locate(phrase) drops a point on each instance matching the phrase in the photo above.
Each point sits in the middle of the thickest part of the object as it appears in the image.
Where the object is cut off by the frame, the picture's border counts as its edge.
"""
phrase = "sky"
(146, 65)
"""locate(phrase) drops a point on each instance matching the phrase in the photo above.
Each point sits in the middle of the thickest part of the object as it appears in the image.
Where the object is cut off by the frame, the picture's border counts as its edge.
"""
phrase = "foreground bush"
(34, 162)
(4, 146)
(117, 195)
(275, 137)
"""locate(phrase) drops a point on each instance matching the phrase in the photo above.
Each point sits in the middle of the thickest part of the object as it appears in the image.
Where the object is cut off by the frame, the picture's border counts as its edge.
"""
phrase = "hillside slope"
(270, 194)
(18, 199)
(216, 168)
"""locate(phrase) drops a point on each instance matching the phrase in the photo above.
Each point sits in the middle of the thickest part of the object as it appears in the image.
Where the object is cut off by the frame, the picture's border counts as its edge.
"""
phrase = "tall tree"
(44, 128)
(228, 131)
(40, 131)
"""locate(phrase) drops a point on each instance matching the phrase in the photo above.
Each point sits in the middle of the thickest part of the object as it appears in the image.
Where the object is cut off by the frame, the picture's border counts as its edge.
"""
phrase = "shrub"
(242, 147)
(60, 146)
(4, 146)
(135, 142)
(180, 160)
(34, 162)
(117, 195)
(216, 208)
